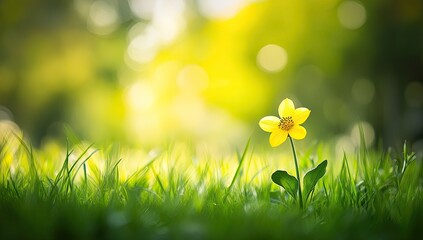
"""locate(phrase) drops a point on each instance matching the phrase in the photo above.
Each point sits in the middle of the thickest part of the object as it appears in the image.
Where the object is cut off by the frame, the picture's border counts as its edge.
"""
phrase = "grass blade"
(241, 160)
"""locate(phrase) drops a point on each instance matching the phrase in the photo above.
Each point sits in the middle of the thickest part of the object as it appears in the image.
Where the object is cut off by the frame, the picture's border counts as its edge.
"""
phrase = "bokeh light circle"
(352, 14)
(272, 58)
(363, 91)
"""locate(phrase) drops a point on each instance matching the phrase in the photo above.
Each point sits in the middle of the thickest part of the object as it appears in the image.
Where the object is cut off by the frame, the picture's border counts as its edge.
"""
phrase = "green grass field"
(186, 191)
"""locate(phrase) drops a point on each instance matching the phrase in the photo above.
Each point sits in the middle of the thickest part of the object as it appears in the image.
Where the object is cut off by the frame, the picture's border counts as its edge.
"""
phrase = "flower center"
(286, 123)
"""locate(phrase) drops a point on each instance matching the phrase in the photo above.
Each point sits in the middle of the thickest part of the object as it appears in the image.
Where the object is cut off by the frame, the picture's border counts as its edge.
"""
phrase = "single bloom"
(288, 123)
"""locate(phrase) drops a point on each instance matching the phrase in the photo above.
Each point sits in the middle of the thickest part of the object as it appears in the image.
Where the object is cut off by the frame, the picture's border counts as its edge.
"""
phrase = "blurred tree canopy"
(141, 70)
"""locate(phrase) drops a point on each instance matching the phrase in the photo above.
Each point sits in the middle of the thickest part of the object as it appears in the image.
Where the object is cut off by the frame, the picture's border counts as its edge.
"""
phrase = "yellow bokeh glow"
(192, 78)
(272, 58)
(140, 96)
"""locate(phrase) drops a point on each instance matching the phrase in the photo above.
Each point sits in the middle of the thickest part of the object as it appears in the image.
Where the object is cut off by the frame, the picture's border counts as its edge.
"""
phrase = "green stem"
(298, 173)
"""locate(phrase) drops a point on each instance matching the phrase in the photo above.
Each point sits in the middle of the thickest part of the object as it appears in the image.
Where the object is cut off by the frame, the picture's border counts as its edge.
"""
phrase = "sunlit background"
(143, 72)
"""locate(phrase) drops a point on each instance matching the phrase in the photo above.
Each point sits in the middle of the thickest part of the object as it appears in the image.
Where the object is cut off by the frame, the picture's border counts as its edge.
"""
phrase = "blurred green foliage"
(141, 71)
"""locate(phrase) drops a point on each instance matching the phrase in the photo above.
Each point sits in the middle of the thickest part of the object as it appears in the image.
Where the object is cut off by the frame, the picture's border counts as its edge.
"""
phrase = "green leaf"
(312, 177)
(288, 182)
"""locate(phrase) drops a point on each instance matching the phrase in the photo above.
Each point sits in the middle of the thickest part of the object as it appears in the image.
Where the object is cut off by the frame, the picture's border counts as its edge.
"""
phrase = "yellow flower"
(288, 124)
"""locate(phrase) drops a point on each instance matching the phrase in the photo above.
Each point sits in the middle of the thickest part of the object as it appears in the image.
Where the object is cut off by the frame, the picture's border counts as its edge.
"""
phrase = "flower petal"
(300, 115)
(269, 123)
(297, 132)
(278, 137)
(286, 108)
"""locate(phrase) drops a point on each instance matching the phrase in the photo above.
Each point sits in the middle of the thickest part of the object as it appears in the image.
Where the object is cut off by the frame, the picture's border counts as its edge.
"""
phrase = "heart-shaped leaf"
(312, 177)
(288, 182)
